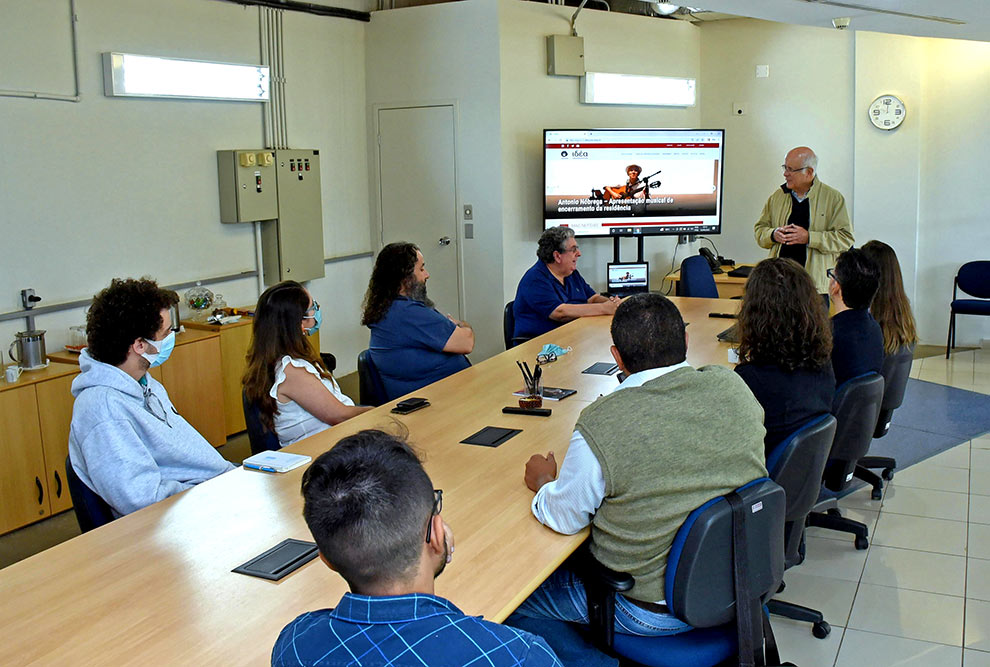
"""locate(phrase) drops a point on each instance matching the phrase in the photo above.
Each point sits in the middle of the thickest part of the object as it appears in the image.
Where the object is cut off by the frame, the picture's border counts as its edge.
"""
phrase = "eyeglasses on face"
(789, 170)
(831, 274)
(437, 506)
(311, 312)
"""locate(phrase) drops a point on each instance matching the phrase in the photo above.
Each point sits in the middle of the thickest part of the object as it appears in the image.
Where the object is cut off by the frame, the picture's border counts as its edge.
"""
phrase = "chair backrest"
(895, 372)
(508, 324)
(699, 580)
(697, 279)
(856, 407)
(261, 440)
(91, 510)
(974, 279)
(371, 388)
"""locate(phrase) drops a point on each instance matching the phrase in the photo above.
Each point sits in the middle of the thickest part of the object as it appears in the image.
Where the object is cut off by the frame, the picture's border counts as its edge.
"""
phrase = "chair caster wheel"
(833, 512)
(876, 494)
(862, 543)
(887, 474)
(821, 630)
(781, 588)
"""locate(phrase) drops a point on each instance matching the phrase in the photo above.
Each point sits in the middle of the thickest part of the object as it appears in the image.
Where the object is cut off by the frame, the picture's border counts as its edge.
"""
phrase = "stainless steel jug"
(30, 346)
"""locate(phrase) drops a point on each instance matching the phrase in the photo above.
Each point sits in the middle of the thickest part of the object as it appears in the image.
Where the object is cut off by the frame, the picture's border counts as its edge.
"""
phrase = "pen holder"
(535, 397)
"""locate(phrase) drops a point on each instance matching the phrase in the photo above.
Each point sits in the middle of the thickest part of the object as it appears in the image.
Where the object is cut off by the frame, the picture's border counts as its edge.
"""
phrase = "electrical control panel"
(292, 245)
(247, 185)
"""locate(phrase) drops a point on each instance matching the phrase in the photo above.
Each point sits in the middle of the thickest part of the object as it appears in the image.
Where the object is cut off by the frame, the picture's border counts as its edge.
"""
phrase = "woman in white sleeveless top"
(295, 393)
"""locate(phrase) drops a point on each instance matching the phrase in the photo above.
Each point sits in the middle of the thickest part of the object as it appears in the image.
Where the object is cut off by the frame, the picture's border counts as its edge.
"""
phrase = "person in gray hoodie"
(127, 442)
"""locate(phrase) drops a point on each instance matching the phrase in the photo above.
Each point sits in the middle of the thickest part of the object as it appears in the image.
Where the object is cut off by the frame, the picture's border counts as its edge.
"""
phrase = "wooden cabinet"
(55, 414)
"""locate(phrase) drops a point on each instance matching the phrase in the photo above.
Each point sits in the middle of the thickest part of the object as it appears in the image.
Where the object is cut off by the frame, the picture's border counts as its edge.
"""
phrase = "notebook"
(276, 461)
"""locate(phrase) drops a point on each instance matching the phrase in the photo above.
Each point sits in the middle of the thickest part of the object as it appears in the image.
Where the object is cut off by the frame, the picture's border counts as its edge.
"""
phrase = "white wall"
(127, 187)
(441, 54)
(533, 101)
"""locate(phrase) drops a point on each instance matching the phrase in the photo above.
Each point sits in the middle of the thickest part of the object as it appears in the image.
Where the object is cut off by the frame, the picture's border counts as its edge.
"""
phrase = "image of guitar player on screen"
(628, 190)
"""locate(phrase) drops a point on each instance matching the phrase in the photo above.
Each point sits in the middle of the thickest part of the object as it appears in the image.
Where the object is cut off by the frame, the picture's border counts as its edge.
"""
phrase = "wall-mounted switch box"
(565, 55)
(292, 245)
(247, 185)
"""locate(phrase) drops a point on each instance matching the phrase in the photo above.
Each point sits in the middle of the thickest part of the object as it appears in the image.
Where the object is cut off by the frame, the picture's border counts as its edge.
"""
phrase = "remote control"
(538, 412)
(727, 316)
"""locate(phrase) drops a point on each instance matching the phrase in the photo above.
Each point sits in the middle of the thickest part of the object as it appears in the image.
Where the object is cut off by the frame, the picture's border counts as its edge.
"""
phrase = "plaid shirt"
(401, 630)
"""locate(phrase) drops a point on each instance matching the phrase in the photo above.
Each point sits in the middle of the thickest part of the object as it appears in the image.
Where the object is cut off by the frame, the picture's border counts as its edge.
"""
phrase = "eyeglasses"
(831, 274)
(314, 310)
(788, 170)
(573, 248)
(437, 506)
(549, 357)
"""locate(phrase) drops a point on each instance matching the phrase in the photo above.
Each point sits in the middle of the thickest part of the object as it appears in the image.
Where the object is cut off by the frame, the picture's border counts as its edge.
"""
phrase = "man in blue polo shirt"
(412, 344)
(369, 504)
(552, 291)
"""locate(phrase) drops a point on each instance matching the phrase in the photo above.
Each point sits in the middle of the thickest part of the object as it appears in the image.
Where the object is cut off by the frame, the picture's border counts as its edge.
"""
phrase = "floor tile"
(978, 579)
(868, 649)
(979, 509)
(981, 460)
(979, 541)
(832, 597)
(926, 502)
(958, 361)
(981, 442)
(978, 625)
(868, 517)
(911, 614)
(909, 532)
(916, 570)
(798, 645)
(959, 376)
(832, 558)
(860, 499)
(927, 475)
(979, 482)
(973, 658)
(957, 457)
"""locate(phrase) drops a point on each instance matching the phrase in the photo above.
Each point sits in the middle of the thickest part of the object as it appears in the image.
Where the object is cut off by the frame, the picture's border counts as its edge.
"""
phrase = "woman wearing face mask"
(295, 393)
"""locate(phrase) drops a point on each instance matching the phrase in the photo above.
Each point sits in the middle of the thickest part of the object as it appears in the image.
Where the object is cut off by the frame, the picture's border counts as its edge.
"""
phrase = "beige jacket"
(830, 230)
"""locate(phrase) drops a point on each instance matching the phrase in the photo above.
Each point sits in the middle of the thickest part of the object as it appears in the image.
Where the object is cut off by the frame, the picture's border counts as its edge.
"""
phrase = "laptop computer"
(624, 279)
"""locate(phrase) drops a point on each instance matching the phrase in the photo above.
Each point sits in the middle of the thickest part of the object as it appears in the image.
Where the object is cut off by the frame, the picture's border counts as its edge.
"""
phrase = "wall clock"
(887, 112)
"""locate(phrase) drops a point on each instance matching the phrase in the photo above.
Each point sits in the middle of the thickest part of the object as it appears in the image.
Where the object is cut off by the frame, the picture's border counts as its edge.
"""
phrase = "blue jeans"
(562, 597)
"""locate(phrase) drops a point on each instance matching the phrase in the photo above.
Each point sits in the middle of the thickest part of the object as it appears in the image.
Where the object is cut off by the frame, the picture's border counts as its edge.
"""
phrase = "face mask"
(164, 348)
(318, 316)
(555, 350)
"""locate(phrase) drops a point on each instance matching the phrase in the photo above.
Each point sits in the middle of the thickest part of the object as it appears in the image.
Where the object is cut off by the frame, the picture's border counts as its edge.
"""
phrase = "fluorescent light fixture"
(632, 89)
(131, 75)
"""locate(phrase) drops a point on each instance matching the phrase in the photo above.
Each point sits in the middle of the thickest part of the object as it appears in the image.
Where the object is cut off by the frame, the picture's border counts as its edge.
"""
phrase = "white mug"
(12, 373)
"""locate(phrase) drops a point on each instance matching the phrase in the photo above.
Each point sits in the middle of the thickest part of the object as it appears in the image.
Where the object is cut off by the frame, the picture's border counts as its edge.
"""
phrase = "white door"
(417, 193)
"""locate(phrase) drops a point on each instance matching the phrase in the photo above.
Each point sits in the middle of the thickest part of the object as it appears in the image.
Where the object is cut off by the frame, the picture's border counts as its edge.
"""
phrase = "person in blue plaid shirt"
(369, 503)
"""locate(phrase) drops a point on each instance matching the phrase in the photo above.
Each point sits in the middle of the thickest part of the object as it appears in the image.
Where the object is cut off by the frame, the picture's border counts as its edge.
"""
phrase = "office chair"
(797, 464)
(261, 439)
(895, 372)
(371, 388)
(973, 278)
(91, 510)
(509, 327)
(855, 407)
(696, 278)
(704, 585)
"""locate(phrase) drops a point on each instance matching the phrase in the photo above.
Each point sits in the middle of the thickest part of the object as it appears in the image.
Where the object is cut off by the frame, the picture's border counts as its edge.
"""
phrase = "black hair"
(123, 312)
(367, 502)
(394, 268)
(648, 331)
(858, 277)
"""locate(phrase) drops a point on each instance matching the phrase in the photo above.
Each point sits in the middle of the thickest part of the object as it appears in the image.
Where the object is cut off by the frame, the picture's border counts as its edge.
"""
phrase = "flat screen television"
(627, 182)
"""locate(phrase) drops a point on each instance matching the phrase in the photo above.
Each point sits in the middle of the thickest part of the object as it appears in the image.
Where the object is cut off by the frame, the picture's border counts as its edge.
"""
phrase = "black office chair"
(696, 278)
(856, 406)
(509, 327)
(797, 464)
(91, 510)
(895, 372)
(702, 586)
(261, 439)
(371, 388)
(973, 278)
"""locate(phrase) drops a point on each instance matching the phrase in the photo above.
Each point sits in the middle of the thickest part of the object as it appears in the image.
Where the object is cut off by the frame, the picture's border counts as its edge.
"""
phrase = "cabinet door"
(234, 345)
(23, 493)
(55, 404)
(192, 377)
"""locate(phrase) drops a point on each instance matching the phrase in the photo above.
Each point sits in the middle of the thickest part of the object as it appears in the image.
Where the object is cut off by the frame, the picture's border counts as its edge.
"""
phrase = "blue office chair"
(509, 327)
(91, 510)
(261, 439)
(855, 407)
(696, 278)
(895, 372)
(705, 586)
(797, 464)
(973, 279)
(371, 388)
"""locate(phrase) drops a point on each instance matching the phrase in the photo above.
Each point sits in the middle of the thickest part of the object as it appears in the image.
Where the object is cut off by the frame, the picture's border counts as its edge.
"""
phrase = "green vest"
(665, 448)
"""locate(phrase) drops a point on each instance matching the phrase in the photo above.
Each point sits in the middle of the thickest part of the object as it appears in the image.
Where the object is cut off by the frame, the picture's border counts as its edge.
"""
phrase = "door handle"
(444, 241)
(41, 490)
(58, 485)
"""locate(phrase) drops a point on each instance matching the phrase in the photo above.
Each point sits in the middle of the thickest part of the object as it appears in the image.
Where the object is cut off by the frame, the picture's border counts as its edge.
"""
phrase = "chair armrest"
(600, 586)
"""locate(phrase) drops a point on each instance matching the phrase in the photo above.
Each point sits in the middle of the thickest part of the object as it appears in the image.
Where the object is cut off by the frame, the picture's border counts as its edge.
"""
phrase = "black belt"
(654, 607)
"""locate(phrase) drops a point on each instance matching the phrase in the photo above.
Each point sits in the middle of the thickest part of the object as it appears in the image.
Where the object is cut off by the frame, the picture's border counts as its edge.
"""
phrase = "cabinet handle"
(58, 485)
(41, 490)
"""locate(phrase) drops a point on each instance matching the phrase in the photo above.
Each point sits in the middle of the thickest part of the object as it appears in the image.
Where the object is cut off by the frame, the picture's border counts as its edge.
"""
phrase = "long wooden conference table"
(156, 587)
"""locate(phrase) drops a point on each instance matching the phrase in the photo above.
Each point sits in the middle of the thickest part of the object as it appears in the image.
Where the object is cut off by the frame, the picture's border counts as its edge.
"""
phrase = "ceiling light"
(631, 89)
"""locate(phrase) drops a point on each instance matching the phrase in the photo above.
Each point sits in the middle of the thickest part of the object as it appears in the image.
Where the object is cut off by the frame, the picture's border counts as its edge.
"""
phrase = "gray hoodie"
(128, 443)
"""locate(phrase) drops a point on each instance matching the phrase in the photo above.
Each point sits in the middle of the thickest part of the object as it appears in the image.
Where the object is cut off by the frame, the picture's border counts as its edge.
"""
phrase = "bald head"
(802, 156)
(799, 169)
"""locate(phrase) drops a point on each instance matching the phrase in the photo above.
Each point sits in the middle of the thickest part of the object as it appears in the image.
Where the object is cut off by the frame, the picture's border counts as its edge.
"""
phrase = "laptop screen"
(628, 278)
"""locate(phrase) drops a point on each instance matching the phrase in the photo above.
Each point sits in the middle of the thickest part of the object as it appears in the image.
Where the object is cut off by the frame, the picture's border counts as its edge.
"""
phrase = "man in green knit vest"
(667, 440)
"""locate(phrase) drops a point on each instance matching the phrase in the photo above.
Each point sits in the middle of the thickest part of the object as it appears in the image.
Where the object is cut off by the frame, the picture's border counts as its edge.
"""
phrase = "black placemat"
(283, 558)
(491, 436)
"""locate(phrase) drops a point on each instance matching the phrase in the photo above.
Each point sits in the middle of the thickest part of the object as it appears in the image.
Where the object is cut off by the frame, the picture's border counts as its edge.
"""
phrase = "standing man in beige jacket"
(805, 220)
